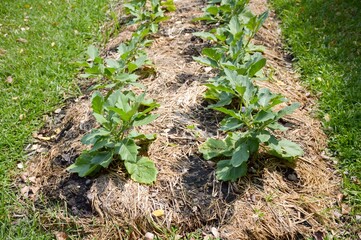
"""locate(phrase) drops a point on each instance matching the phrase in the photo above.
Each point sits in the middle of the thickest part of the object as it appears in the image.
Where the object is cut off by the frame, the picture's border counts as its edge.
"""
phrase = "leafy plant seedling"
(248, 125)
(118, 115)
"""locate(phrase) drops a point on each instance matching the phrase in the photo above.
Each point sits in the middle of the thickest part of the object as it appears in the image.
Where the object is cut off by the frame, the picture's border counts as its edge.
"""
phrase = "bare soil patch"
(275, 201)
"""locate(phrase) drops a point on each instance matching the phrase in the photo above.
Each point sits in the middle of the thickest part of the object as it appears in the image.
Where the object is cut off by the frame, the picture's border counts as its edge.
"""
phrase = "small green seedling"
(149, 17)
(233, 49)
(117, 73)
(118, 115)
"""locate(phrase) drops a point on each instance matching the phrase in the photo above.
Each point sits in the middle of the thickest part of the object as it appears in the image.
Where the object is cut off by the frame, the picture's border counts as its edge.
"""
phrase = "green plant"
(120, 72)
(116, 138)
(220, 11)
(250, 121)
(150, 17)
(233, 49)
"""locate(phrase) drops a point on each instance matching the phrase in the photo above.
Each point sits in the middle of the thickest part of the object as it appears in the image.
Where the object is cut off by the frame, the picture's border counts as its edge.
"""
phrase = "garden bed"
(275, 200)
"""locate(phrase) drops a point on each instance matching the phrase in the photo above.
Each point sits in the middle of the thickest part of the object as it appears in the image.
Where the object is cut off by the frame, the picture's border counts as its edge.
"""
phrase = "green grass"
(56, 34)
(325, 38)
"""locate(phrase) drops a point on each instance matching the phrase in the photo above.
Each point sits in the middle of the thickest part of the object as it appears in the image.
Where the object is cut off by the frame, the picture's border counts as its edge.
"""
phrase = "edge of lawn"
(325, 39)
(39, 43)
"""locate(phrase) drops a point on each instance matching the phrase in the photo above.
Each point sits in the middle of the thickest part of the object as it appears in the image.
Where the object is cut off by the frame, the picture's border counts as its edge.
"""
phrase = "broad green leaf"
(154, 27)
(126, 77)
(102, 143)
(212, 53)
(263, 136)
(284, 149)
(264, 116)
(256, 64)
(224, 100)
(206, 61)
(229, 112)
(264, 96)
(92, 52)
(100, 118)
(94, 135)
(112, 63)
(253, 145)
(205, 35)
(212, 10)
(113, 98)
(93, 70)
(212, 148)
(234, 25)
(230, 124)
(169, 5)
(102, 158)
(97, 102)
(125, 116)
(123, 103)
(82, 165)
(287, 110)
(128, 150)
(226, 172)
(219, 87)
(143, 170)
(240, 155)
(145, 120)
(141, 136)
(277, 126)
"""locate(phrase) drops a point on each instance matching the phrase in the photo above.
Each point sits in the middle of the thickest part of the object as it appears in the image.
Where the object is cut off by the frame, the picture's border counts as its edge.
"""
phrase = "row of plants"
(251, 121)
(118, 109)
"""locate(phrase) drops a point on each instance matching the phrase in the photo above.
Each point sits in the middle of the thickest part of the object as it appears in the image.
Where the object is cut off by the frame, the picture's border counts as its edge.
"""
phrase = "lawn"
(39, 42)
(325, 39)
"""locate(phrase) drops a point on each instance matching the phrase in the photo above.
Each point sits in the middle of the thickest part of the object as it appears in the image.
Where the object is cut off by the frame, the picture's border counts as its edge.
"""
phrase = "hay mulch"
(274, 201)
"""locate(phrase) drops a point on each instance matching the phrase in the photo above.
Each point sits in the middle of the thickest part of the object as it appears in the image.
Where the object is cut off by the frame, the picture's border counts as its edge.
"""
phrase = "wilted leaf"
(158, 213)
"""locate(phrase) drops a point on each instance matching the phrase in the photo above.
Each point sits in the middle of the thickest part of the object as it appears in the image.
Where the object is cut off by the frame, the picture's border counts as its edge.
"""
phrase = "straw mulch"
(274, 201)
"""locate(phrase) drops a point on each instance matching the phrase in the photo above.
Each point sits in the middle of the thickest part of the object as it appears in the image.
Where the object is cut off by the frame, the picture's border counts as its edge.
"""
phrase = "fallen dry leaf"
(158, 213)
(32, 179)
(345, 209)
(60, 235)
(2, 52)
(9, 79)
(22, 40)
(339, 198)
(25, 191)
